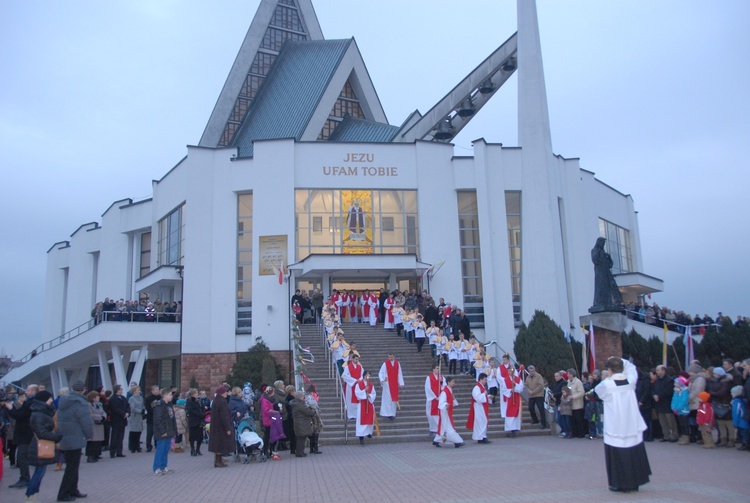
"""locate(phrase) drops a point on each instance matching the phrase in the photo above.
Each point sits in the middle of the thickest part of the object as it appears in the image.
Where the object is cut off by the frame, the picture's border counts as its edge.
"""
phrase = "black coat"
(118, 407)
(663, 387)
(43, 426)
(22, 433)
(194, 412)
(148, 405)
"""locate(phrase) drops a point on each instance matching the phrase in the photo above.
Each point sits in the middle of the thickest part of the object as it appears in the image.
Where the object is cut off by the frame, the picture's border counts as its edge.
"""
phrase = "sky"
(97, 99)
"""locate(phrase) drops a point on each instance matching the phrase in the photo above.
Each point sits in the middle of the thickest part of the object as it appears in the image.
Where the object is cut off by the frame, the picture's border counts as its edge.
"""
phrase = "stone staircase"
(374, 343)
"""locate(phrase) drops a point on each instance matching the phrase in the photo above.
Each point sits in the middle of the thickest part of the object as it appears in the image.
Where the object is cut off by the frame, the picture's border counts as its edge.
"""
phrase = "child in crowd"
(738, 417)
(566, 413)
(705, 420)
(681, 409)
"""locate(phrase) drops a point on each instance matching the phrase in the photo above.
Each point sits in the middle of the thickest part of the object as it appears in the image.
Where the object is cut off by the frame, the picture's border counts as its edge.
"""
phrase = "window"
(471, 257)
(617, 245)
(145, 264)
(333, 221)
(347, 103)
(244, 264)
(513, 215)
(171, 238)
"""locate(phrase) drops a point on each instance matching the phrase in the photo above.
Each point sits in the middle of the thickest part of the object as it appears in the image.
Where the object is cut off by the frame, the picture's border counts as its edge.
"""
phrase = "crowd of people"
(676, 321)
(137, 310)
(94, 423)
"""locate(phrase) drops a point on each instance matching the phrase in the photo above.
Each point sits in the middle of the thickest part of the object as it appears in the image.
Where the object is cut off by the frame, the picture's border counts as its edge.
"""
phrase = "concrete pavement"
(515, 470)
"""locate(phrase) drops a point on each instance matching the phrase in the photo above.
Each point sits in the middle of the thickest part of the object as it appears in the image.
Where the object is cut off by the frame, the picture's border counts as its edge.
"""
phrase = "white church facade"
(309, 179)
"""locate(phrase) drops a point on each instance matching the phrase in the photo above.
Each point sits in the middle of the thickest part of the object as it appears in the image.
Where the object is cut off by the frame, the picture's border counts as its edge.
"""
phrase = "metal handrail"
(103, 317)
(668, 322)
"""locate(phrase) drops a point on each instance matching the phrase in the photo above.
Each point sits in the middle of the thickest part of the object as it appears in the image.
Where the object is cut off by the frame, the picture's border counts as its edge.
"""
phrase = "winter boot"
(684, 440)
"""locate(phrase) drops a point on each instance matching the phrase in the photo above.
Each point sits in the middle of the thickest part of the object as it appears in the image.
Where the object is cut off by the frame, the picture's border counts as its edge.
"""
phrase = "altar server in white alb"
(365, 392)
(446, 428)
(479, 411)
(624, 451)
(392, 379)
(432, 386)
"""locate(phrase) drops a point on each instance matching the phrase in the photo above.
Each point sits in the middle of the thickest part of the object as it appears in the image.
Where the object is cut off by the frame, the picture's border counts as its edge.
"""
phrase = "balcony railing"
(104, 317)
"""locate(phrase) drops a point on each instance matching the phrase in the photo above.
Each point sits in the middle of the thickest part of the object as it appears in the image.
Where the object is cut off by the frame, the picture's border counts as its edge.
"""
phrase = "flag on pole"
(689, 355)
(584, 357)
(592, 350)
(664, 347)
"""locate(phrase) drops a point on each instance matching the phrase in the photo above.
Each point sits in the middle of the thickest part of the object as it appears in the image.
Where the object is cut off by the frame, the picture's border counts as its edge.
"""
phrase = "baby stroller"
(248, 443)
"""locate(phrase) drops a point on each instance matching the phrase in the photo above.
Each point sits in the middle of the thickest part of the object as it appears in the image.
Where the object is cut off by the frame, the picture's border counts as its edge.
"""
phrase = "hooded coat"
(74, 421)
(221, 423)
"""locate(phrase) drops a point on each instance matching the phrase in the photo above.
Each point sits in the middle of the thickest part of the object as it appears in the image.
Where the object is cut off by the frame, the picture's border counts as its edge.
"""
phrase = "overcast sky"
(99, 98)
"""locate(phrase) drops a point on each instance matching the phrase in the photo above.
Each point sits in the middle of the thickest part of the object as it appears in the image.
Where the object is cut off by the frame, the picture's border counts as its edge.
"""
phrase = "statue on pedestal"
(607, 295)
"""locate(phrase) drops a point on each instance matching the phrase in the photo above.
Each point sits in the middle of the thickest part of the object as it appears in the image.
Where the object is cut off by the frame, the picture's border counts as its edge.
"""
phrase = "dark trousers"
(116, 436)
(69, 484)
(537, 404)
(149, 435)
(420, 343)
(196, 438)
(299, 443)
(22, 461)
(648, 435)
(93, 449)
(134, 441)
(579, 424)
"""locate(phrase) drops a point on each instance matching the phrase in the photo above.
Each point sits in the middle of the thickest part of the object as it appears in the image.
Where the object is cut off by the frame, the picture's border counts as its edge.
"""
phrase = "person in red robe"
(336, 302)
(432, 386)
(392, 379)
(479, 411)
(351, 376)
(365, 392)
(353, 307)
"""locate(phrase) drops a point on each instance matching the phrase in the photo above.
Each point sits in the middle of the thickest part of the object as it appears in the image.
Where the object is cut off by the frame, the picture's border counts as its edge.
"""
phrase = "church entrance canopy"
(384, 267)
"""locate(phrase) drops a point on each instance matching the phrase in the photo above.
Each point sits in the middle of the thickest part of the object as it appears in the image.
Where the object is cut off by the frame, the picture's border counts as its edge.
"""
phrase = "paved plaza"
(515, 470)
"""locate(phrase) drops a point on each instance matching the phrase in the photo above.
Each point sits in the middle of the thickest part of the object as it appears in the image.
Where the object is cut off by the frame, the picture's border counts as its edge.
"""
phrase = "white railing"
(104, 317)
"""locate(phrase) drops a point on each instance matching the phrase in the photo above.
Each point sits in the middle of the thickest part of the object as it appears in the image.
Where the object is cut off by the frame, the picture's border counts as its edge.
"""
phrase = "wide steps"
(410, 425)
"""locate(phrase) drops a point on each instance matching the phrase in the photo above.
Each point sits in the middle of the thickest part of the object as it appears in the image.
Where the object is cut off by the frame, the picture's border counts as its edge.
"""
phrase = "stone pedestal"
(608, 328)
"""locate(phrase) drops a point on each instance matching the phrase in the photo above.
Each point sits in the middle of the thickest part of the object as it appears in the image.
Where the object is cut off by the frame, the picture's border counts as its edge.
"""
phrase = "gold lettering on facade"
(359, 170)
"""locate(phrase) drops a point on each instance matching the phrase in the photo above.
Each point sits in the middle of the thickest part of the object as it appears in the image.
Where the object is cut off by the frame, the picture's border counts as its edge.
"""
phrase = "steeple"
(533, 116)
(275, 22)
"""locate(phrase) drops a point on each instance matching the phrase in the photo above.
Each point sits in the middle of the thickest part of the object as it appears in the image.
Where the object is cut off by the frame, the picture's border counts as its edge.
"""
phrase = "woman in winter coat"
(221, 440)
(194, 413)
(43, 426)
(135, 422)
(267, 403)
(180, 417)
(94, 446)
(303, 422)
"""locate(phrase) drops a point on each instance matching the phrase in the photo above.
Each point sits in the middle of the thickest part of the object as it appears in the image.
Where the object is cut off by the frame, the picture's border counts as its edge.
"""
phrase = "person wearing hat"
(705, 419)
(75, 423)
(221, 440)
(43, 428)
(681, 409)
(697, 384)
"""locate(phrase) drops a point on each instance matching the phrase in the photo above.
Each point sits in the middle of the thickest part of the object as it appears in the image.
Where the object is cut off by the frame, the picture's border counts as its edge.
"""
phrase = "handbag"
(722, 411)
(45, 449)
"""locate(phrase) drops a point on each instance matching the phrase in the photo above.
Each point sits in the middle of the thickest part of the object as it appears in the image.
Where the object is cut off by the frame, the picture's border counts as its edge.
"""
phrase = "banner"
(357, 221)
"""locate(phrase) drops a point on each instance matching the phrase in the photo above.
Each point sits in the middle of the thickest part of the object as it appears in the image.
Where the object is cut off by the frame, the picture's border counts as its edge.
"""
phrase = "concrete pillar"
(104, 369)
